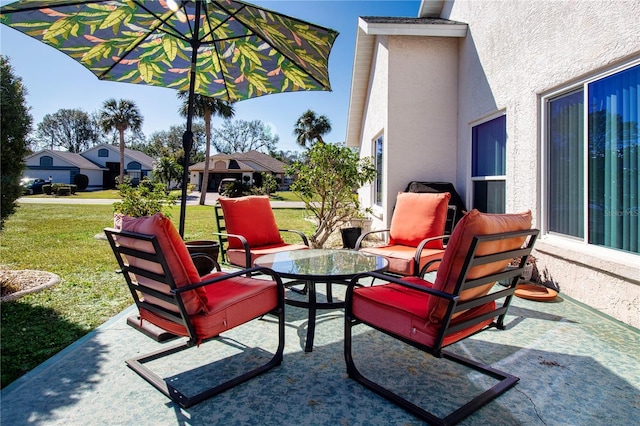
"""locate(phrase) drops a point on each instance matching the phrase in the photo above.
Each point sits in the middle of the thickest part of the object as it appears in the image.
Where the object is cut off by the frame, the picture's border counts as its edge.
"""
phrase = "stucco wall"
(423, 105)
(375, 122)
(413, 101)
(515, 53)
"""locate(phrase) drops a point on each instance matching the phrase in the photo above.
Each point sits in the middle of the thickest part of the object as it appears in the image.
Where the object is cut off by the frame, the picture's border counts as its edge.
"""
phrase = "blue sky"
(55, 81)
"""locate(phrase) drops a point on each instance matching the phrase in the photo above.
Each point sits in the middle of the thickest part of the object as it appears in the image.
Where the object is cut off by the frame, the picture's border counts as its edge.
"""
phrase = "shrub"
(46, 189)
(331, 174)
(235, 189)
(61, 189)
(147, 199)
(15, 124)
(82, 181)
(269, 183)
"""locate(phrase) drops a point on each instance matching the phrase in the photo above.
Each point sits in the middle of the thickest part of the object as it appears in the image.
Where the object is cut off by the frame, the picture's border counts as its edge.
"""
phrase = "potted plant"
(146, 199)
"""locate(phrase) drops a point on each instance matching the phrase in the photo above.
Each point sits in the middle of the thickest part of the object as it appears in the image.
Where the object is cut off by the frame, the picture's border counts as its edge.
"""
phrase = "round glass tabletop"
(319, 264)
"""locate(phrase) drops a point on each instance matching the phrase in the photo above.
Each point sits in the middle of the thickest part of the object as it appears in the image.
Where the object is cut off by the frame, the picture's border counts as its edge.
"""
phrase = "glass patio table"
(320, 266)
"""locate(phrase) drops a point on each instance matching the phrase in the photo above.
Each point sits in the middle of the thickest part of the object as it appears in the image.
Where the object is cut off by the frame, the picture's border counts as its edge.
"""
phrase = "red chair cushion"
(178, 259)
(472, 224)
(418, 216)
(252, 218)
(231, 303)
(403, 312)
(237, 256)
(401, 258)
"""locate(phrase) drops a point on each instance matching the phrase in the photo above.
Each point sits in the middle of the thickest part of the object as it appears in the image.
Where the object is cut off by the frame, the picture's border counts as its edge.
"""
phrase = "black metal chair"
(461, 302)
(170, 294)
(418, 232)
(247, 229)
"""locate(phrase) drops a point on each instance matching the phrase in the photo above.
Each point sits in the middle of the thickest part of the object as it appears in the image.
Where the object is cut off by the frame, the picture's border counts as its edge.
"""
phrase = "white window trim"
(471, 179)
(577, 244)
(378, 209)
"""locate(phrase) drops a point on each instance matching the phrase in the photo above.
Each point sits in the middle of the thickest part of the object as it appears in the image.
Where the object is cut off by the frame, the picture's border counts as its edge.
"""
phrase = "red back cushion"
(472, 224)
(418, 216)
(173, 248)
(252, 218)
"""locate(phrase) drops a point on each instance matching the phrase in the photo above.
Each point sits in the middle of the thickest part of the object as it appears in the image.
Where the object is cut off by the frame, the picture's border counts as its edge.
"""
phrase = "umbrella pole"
(187, 137)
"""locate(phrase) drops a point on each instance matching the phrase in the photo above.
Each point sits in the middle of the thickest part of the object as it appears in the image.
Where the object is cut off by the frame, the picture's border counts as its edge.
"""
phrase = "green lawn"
(61, 239)
(113, 194)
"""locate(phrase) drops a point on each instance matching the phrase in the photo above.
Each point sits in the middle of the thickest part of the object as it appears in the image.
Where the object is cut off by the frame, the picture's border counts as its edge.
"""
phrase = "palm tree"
(205, 108)
(310, 128)
(167, 169)
(120, 115)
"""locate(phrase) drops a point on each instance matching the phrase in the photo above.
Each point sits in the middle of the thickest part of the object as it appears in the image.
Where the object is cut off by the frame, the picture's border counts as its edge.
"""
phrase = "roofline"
(66, 160)
(406, 29)
(430, 8)
(365, 47)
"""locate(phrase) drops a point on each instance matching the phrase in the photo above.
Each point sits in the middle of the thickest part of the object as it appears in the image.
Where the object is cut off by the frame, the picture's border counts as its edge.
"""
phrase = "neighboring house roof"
(142, 158)
(371, 26)
(72, 158)
(252, 161)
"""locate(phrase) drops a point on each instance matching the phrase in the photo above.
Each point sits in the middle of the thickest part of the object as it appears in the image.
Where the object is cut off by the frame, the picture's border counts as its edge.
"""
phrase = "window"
(377, 184)
(592, 162)
(135, 177)
(103, 152)
(46, 161)
(489, 141)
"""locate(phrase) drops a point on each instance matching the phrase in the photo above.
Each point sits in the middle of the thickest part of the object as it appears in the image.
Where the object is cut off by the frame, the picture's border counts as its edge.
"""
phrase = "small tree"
(327, 182)
(16, 125)
(167, 169)
(269, 183)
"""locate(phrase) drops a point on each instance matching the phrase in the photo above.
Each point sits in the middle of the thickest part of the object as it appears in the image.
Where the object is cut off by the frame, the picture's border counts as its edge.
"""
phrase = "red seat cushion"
(403, 312)
(252, 218)
(472, 224)
(237, 256)
(401, 258)
(230, 303)
(418, 216)
(175, 252)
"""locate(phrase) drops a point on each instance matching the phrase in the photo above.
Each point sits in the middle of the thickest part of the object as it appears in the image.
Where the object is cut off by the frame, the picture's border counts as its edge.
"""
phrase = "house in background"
(239, 165)
(522, 106)
(62, 167)
(136, 164)
(101, 164)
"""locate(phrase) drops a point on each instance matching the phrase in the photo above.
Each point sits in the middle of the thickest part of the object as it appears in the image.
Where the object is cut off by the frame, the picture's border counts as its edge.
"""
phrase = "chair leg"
(137, 364)
(506, 381)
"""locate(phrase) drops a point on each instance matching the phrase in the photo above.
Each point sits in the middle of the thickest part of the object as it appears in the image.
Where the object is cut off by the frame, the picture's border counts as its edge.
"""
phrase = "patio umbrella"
(218, 48)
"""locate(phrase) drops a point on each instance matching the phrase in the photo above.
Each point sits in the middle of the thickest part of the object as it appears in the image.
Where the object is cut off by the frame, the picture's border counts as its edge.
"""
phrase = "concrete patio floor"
(576, 367)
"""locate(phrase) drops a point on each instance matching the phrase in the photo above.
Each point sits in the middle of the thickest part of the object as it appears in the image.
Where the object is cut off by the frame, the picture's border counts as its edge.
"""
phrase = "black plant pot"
(350, 237)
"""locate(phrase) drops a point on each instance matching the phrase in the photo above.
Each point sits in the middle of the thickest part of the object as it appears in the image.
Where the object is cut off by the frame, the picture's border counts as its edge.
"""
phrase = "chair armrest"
(366, 234)
(426, 267)
(421, 246)
(226, 276)
(245, 246)
(301, 234)
(354, 282)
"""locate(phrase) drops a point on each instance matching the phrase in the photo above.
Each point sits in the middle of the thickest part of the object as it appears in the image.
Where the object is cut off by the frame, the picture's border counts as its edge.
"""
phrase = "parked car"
(32, 186)
(223, 184)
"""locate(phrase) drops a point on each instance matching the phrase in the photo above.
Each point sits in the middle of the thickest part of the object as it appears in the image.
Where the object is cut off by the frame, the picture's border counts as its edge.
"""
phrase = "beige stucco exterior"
(425, 92)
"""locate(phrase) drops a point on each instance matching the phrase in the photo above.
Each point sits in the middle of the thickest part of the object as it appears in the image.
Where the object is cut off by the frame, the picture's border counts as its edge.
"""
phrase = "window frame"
(377, 189)
(544, 170)
(474, 179)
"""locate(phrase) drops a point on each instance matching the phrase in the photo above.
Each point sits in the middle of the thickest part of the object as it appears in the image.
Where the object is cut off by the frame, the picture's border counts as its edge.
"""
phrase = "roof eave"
(365, 46)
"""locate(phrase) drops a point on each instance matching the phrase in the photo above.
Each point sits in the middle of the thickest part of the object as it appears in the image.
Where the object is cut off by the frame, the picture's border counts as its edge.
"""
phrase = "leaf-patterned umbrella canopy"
(242, 50)
(223, 49)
